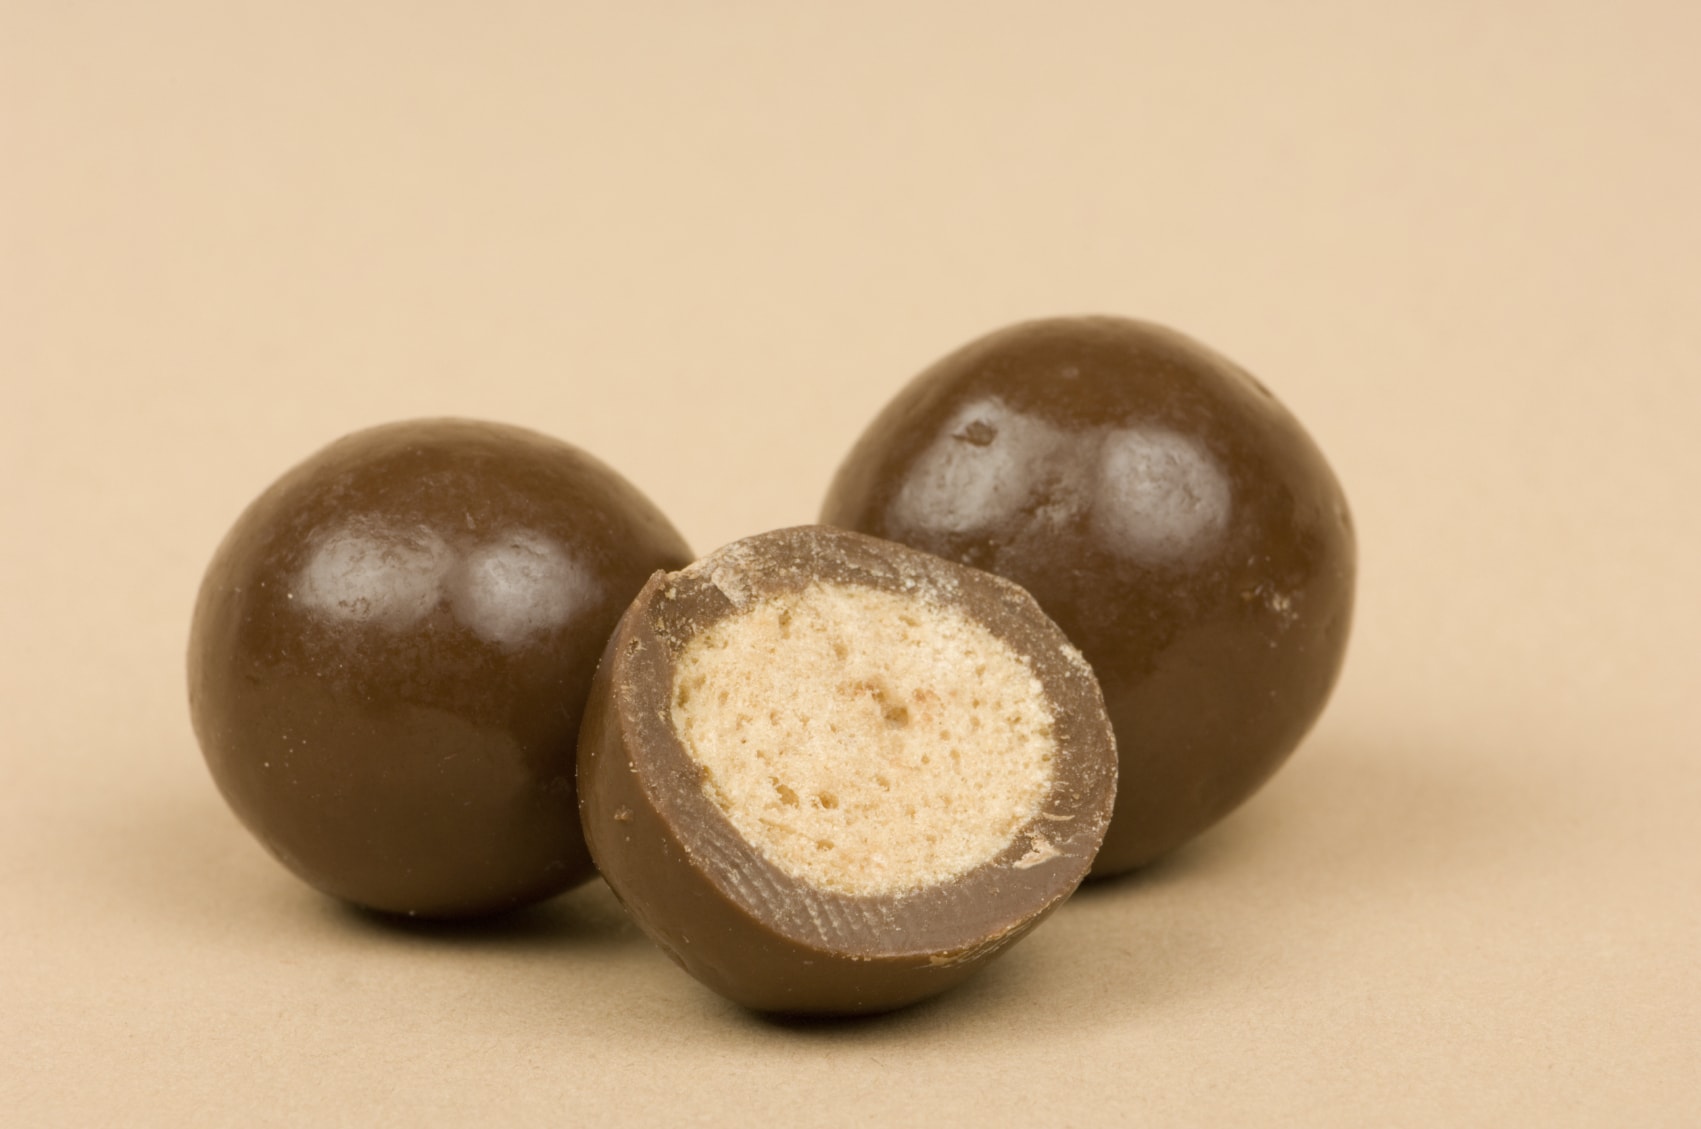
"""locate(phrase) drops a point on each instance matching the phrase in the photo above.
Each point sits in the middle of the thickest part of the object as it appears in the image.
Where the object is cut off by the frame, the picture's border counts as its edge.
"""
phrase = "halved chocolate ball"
(830, 774)
(390, 656)
(1174, 519)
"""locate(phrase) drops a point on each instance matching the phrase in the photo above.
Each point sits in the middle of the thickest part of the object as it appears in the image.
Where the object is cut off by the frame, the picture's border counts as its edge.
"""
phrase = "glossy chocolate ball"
(1173, 518)
(391, 653)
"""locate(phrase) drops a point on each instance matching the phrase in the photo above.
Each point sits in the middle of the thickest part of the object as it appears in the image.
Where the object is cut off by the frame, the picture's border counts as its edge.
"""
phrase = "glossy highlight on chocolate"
(391, 651)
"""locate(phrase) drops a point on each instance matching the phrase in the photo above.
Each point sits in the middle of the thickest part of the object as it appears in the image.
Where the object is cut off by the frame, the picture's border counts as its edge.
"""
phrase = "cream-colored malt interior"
(863, 741)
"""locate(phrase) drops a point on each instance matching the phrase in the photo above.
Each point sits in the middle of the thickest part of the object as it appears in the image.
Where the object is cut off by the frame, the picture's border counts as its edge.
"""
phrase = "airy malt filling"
(865, 742)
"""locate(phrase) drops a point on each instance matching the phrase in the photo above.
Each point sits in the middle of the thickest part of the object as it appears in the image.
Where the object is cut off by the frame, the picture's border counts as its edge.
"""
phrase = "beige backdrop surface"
(706, 242)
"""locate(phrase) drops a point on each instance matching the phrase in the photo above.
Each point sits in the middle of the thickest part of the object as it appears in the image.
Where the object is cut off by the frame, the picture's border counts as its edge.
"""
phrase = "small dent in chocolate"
(1039, 850)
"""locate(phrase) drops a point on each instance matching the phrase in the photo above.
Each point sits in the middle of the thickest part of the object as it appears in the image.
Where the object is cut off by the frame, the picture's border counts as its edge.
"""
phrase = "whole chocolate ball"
(391, 652)
(1172, 517)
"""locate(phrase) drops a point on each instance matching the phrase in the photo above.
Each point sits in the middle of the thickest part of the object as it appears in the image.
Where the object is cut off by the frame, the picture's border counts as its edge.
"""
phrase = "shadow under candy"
(183, 858)
(586, 916)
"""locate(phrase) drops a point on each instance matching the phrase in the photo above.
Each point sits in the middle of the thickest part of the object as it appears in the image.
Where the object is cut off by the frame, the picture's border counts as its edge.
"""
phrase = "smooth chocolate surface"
(711, 899)
(1172, 517)
(390, 656)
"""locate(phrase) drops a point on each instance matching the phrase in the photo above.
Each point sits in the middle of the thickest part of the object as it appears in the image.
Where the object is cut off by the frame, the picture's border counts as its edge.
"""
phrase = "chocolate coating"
(723, 911)
(1172, 517)
(390, 656)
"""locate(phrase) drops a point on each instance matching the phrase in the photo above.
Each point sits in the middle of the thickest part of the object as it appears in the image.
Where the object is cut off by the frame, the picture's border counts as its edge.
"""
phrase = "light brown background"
(706, 242)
